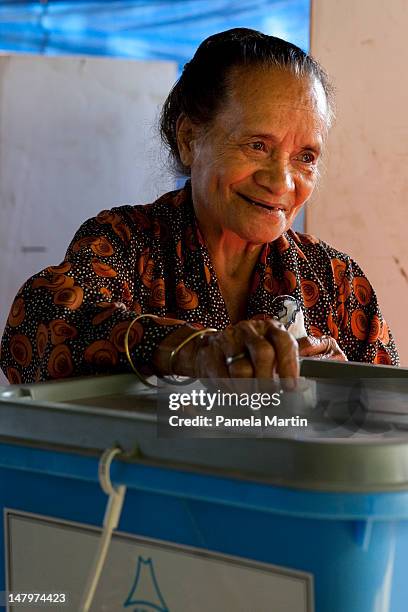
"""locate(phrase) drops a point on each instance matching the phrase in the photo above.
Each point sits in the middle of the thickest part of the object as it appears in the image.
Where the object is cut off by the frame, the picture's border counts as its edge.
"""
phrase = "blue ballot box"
(314, 523)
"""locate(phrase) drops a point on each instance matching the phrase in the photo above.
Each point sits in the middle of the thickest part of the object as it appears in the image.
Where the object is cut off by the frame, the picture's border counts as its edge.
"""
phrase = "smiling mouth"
(268, 207)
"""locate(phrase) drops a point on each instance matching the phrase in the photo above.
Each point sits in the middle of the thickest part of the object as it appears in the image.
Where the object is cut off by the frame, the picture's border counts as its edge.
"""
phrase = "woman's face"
(256, 166)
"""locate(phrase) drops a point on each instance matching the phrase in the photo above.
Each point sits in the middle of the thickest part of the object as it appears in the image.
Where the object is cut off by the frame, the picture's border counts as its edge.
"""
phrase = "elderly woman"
(187, 285)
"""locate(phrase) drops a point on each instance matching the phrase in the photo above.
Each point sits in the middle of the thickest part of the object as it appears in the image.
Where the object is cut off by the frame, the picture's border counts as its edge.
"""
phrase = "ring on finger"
(233, 358)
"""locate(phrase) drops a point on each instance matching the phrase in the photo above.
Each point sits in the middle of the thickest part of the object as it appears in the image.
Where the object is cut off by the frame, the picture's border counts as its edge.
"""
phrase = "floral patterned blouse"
(71, 319)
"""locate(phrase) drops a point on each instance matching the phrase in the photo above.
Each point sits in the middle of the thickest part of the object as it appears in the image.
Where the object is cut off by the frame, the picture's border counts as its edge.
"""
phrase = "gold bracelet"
(140, 376)
(143, 379)
(174, 352)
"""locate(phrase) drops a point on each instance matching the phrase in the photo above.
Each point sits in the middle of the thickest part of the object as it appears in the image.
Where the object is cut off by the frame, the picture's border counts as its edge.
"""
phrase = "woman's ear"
(185, 135)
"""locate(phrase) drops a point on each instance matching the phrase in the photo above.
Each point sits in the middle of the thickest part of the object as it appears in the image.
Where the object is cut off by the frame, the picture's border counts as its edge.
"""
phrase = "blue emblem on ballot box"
(145, 594)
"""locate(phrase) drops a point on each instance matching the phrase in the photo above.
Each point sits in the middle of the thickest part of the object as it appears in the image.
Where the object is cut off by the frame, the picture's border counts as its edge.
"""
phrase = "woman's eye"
(307, 158)
(258, 146)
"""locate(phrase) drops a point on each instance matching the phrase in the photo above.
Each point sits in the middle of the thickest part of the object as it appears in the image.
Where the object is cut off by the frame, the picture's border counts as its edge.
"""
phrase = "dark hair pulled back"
(203, 85)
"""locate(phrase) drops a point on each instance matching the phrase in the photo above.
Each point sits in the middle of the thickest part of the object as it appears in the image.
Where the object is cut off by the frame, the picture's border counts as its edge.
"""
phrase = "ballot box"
(311, 521)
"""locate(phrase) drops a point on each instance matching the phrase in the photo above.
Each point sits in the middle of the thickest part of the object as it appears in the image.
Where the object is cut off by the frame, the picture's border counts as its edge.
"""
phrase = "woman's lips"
(268, 206)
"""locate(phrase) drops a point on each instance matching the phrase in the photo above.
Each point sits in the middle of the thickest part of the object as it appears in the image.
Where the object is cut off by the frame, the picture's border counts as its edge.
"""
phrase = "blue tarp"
(142, 29)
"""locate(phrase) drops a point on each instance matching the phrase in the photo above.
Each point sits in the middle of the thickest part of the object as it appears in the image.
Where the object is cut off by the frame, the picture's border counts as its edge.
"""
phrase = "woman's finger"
(324, 347)
(225, 356)
(237, 358)
(260, 350)
(286, 349)
(210, 360)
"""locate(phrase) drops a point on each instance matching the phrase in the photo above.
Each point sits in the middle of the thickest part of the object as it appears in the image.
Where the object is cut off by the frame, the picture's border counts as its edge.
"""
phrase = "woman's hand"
(248, 349)
(324, 347)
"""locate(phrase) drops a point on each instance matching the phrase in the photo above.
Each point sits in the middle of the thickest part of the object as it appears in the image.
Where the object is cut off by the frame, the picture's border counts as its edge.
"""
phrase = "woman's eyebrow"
(315, 147)
(265, 136)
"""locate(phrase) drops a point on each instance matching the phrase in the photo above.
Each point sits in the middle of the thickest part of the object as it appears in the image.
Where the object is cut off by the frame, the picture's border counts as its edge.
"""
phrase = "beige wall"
(362, 204)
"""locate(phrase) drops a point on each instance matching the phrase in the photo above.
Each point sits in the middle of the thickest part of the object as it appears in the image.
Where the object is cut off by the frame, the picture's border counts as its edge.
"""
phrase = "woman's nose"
(275, 177)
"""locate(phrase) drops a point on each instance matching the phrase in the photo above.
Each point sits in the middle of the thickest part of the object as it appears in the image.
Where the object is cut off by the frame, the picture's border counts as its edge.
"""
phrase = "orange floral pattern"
(122, 230)
(107, 216)
(179, 251)
(342, 315)
(282, 244)
(171, 321)
(21, 349)
(14, 376)
(41, 339)
(288, 282)
(101, 353)
(118, 226)
(362, 290)
(207, 274)
(158, 296)
(69, 298)
(339, 270)
(136, 307)
(106, 292)
(375, 329)
(71, 319)
(60, 363)
(140, 219)
(344, 291)
(59, 281)
(382, 357)
(102, 269)
(61, 269)
(100, 245)
(126, 293)
(61, 331)
(17, 313)
(145, 268)
(310, 292)
(118, 333)
(359, 324)
(107, 309)
(333, 329)
(270, 283)
(186, 298)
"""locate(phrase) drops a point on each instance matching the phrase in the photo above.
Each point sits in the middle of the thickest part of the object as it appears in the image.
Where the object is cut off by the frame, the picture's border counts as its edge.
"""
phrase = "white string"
(110, 522)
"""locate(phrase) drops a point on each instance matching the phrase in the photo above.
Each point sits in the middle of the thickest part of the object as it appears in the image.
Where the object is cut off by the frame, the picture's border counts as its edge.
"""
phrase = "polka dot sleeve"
(71, 319)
